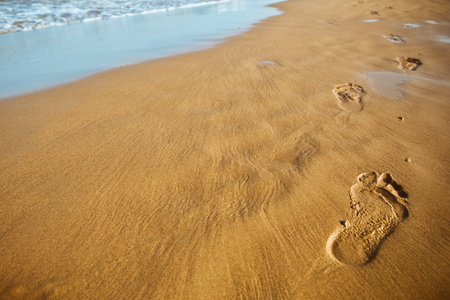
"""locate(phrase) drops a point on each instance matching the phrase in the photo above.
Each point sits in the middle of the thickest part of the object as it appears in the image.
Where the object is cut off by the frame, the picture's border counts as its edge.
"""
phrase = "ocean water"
(94, 36)
(21, 15)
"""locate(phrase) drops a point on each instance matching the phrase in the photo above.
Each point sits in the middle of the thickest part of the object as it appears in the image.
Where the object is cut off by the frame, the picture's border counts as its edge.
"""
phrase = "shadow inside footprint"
(349, 96)
(378, 206)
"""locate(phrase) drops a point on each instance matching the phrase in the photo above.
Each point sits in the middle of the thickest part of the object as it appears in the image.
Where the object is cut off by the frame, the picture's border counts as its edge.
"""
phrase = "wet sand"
(267, 167)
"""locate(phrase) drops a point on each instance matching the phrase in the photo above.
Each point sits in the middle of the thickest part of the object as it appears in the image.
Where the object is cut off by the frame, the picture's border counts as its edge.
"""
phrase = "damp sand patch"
(443, 39)
(387, 83)
(267, 62)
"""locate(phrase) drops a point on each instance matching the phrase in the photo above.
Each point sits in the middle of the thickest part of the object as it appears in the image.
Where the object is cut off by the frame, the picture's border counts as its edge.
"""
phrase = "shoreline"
(62, 54)
(89, 18)
(251, 169)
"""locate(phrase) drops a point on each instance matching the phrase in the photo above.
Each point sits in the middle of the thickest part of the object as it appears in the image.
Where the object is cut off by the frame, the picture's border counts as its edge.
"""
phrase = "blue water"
(38, 59)
(22, 15)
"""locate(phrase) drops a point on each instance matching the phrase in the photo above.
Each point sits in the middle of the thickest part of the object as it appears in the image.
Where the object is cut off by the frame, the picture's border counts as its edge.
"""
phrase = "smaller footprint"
(349, 96)
(411, 25)
(378, 205)
(394, 38)
(408, 63)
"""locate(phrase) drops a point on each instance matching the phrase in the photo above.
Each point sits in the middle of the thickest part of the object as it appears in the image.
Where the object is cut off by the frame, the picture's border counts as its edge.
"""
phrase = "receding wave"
(19, 15)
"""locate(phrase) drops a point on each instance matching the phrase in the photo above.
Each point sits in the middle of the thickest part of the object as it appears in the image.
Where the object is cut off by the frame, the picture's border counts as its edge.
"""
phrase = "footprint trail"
(349, 96)
(378, 205)
(408, 63)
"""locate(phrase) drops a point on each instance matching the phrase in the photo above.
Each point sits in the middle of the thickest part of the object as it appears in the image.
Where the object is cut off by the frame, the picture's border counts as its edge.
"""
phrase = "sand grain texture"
(212, 176)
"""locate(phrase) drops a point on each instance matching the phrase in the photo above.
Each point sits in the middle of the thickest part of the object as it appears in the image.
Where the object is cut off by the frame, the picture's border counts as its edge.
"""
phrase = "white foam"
(20, 15)
(65, 53)
(371, 21)
(432, 22)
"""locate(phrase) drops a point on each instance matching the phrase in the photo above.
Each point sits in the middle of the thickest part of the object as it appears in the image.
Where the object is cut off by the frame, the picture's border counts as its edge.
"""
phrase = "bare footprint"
(394, 38)
(411, 25)
(349, 96)
(378, 205)
(408, 63)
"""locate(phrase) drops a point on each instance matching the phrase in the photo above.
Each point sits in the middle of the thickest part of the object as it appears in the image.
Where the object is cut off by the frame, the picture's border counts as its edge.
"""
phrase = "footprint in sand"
(349, 96)
(378, 206)
(408, 63)
(411, 25)
(394, 38)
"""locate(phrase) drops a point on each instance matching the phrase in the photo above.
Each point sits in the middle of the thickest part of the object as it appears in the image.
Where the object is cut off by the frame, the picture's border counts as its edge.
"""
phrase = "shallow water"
(38, 59)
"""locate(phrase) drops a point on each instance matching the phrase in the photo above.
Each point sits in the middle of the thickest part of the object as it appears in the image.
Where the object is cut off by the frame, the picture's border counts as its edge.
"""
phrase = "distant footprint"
(408, 63)
(349, 96)
(378, 206)
(411, 25)
(394, 38)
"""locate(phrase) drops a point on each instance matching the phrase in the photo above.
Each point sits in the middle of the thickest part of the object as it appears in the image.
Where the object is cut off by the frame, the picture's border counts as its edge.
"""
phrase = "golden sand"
(226, 173)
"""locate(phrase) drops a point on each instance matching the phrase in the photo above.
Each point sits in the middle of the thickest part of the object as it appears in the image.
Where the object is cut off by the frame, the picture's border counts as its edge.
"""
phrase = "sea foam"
(16, 15)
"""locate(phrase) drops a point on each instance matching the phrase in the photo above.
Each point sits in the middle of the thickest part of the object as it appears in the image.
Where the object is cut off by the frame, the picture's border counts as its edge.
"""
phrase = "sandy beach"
(306, 158)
